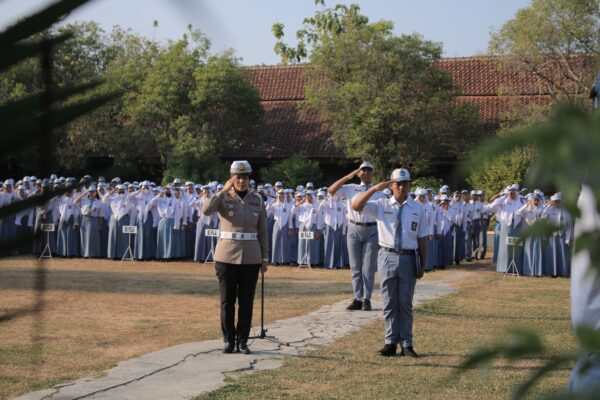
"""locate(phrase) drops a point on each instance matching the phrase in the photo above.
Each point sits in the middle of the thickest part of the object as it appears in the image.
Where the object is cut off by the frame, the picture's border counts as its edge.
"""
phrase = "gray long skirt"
(145, 248)
(332, 244)
(280, 253)
(204, 246)
(532, 256)
(117, 240)
(67, 243)
(170, 243)
(445, 250)
(90, 237)
(557, 257)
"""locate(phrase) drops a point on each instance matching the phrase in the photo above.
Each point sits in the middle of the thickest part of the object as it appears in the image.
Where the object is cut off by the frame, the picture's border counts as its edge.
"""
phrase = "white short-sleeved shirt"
(351, 191)
(385, 212)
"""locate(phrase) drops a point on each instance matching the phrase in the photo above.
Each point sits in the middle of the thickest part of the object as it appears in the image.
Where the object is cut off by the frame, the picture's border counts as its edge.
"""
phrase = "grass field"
(100, 312)
(446, 330)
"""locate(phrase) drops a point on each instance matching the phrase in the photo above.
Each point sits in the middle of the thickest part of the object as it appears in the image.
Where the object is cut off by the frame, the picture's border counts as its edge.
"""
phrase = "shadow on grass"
(421, 362)
(157, 284)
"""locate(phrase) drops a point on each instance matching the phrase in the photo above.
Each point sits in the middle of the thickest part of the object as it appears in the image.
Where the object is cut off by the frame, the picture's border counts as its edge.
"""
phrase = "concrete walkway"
(187, 370)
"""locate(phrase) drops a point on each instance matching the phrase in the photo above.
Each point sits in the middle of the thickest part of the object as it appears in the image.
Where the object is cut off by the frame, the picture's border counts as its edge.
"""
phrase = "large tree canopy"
(556, 40)
(181, 105)
(383, 96)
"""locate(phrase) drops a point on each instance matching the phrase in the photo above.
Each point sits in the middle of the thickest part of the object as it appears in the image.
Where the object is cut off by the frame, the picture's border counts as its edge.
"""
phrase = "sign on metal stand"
(211, 233)
(512, 242)
(305, 261)
(130, 230)
(48, 228)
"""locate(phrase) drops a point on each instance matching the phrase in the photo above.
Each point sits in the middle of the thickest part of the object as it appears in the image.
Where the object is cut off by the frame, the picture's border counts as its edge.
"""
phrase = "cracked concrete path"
(189, 369)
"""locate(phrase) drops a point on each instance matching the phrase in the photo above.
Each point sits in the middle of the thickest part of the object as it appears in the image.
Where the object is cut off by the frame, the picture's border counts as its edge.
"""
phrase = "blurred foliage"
(383, 96)
(293, 171)
(566, 148)
(427, 182)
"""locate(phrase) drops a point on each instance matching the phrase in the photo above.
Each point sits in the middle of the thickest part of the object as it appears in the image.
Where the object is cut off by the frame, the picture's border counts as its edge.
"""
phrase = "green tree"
(195, 106)
(383, 96)
(497, 172)
(295, 170)
(557, 41)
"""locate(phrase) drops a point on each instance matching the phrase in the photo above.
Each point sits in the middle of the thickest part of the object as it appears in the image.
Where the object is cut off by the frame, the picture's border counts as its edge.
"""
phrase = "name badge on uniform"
(413, 226)
(284, 210)
(388, 212)
(339, 209)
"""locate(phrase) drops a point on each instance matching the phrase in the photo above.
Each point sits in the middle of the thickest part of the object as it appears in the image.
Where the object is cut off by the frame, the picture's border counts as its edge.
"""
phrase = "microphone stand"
(263, 331)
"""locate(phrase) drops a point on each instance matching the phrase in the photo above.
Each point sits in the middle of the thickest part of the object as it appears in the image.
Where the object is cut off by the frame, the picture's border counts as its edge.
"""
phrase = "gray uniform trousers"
(362, 251)
(397, 279)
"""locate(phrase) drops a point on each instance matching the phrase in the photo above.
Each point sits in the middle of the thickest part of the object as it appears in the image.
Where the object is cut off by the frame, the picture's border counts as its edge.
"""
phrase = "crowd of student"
(306, 225)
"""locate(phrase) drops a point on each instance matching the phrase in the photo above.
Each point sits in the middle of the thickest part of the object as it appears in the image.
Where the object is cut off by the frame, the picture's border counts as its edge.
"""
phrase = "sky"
(463, 26)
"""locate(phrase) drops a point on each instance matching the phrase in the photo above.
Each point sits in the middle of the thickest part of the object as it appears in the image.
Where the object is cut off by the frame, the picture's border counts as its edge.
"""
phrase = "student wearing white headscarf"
(557, 258)
(506, 206)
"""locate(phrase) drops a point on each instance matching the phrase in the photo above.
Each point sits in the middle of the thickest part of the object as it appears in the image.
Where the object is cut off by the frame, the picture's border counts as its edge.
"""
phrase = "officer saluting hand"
(402, 233)
(242, 250)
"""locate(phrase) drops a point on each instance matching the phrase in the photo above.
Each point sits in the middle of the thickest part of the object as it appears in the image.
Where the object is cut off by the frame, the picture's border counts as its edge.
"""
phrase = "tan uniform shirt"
(240, 215)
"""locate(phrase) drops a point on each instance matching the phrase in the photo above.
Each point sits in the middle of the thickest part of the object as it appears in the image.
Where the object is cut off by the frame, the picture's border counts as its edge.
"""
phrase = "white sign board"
(129, 229)
(307, 235)
(47, 227)
(514, 241)
(211, 232)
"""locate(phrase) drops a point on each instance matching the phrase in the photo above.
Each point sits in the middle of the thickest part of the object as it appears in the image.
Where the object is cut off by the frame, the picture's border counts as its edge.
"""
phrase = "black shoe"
(243, 348)
(355, 305)
(366, 305)
(409, 352)
(387, 350)
(229, 347)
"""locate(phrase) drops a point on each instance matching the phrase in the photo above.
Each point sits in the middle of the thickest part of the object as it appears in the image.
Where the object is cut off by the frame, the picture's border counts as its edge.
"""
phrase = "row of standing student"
(169, 225)
(540, 253)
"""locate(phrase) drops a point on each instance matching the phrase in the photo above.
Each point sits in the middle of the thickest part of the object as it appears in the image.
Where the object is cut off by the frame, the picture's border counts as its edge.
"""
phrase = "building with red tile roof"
(491, 84)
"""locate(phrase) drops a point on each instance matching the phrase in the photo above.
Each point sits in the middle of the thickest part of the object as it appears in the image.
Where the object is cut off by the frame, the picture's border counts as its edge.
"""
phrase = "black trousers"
(236, 282)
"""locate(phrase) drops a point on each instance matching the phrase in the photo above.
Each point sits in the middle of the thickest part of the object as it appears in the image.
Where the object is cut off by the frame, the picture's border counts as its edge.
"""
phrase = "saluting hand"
(352, 174)
(383, 185)
(229, 184)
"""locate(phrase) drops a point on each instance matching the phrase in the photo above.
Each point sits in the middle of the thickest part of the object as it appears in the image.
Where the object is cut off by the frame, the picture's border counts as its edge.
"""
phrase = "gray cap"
(366, 164)
(400, 175)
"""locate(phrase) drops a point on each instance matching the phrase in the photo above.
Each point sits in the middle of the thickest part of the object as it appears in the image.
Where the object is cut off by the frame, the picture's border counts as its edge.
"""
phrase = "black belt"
(363, 223)
(401, 251)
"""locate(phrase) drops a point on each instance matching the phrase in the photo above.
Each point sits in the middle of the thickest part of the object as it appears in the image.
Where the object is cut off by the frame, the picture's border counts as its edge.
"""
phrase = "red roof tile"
(493, 85)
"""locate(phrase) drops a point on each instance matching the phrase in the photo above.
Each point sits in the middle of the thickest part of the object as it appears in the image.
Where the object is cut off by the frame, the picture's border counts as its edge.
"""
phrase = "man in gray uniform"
(403, 230)
(361, 236)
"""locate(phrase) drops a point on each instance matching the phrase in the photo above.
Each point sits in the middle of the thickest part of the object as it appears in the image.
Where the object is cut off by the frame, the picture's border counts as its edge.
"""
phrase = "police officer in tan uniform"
(241, 252)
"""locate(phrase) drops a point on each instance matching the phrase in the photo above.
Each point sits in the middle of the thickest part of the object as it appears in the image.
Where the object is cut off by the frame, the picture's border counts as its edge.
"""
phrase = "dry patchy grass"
(446, 330)
(100, 312)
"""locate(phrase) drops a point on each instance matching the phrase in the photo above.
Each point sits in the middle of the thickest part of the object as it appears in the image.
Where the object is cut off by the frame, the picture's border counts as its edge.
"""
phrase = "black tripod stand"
(263, 331)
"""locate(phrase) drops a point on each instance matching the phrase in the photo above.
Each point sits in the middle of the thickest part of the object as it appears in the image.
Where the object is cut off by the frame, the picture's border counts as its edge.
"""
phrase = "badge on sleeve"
(230, 213)
(413, 226)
